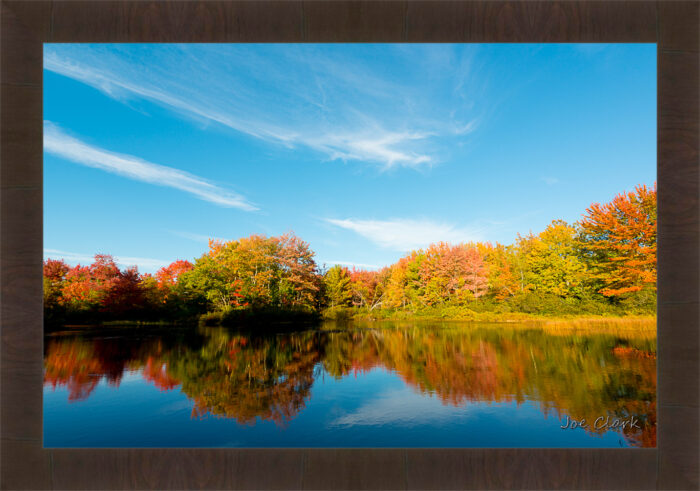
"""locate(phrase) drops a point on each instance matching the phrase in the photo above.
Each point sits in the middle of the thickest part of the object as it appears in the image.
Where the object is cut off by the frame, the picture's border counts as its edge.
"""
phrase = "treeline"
(256, 276)
(603, 264)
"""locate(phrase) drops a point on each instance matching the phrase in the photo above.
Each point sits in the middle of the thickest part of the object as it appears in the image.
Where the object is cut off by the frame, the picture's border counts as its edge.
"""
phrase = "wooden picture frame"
(672, 25)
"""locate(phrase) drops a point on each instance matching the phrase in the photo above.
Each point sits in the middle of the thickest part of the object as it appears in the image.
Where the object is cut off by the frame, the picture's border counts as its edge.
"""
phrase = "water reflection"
(251, 378)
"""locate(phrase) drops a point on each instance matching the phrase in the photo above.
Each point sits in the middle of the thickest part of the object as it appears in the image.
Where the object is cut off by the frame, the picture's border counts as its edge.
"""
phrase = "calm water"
(365, 385)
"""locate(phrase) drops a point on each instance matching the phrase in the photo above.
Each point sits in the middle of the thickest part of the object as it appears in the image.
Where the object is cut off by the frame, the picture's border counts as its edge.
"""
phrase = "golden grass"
(638, 326)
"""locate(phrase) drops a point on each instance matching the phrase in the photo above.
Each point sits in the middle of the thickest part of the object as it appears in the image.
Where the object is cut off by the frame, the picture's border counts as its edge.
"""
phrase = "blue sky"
(366, 151)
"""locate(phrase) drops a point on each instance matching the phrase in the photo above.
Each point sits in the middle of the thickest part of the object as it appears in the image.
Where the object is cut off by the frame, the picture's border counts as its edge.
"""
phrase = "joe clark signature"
(601, 422)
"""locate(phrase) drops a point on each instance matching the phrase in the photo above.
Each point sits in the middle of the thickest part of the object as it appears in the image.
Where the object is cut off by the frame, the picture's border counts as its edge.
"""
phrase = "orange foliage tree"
(167, 275)
(367, 287)
(619, 241)
(595, 265)
(456, 273)
(300, 282)
(502, 280)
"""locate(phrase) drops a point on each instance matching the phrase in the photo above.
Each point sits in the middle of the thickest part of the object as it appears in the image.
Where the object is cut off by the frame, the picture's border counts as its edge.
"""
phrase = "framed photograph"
(350, 245)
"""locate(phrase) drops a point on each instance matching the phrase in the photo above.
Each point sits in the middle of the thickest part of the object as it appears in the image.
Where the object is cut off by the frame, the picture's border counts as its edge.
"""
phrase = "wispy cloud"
(407, 234)
(549, 181)
(351, 264)
(143, 263)
(401, 407)
(342, 114)
(196, 237)
(59, 143)
(367, 146)
(466, 128)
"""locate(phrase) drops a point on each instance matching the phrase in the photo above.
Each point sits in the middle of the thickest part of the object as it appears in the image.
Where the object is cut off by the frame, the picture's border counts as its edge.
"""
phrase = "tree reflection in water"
(246, 376)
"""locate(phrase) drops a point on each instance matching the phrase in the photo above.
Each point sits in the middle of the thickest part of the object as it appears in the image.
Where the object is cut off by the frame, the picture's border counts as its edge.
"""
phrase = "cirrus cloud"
(407, 234)
(332, 106)
(58, 143)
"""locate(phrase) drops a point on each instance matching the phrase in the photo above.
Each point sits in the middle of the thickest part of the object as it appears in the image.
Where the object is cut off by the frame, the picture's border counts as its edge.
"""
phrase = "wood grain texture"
(177, 468)
(679, 25)
(90, 469)
(678, 176)
(181, 21)
(24, 465)
(678, 447)
(26, 24)
(269, 469)
(21, 124)
(21, 328)
(144, 468)
(531, 21)
(677, 363)
(678, 245)
(531, 469)
(354, 21)
(355, 469)
(21, 402)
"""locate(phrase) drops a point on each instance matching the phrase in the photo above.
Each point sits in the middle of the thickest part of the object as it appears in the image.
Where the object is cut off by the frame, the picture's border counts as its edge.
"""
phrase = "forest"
(602, 265)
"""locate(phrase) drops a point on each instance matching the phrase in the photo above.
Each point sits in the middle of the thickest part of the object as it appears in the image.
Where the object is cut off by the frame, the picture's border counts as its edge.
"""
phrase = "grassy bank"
(517, 308)
(632, 326)
(468, 315)
(259, 318)
(523, 309)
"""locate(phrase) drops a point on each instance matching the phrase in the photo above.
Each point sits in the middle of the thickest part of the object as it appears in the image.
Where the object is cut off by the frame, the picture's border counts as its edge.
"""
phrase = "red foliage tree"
(367, 287)
(55, 270)
(167, 276)
(453, 272)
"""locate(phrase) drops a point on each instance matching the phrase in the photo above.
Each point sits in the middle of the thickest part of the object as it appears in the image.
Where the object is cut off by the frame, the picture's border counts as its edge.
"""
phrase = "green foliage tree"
(608, 259)
(256, 272)
(337, 287)
(553, 264)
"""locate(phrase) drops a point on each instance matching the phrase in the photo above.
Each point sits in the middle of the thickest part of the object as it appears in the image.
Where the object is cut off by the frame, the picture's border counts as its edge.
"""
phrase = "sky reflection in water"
(388, 385)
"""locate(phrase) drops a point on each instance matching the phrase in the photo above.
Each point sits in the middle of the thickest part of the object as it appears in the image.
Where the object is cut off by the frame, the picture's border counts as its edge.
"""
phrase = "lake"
(371, 384)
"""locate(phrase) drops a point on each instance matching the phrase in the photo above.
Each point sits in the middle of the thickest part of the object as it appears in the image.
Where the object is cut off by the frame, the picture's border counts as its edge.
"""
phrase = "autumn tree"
(500, 262)
(618, 240)
(54, 273)
(337, 286)
(299, 281)
(116, 291)
(396, 291)
(97, 291)
(610, 253)
(403, 282)
(234, 274)
(552, 262)
(80, 290)
(123, 293)
(167, 275)
(452, 273)
(256, 272)
(367, 287)
(153, 296)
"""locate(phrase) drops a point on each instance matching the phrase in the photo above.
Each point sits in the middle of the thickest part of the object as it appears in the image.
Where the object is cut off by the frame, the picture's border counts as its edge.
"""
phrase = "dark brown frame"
(27, 24)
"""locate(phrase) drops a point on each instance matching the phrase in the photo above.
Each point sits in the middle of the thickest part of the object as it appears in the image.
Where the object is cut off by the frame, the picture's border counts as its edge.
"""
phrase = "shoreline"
(592, 323)
(472, 316)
